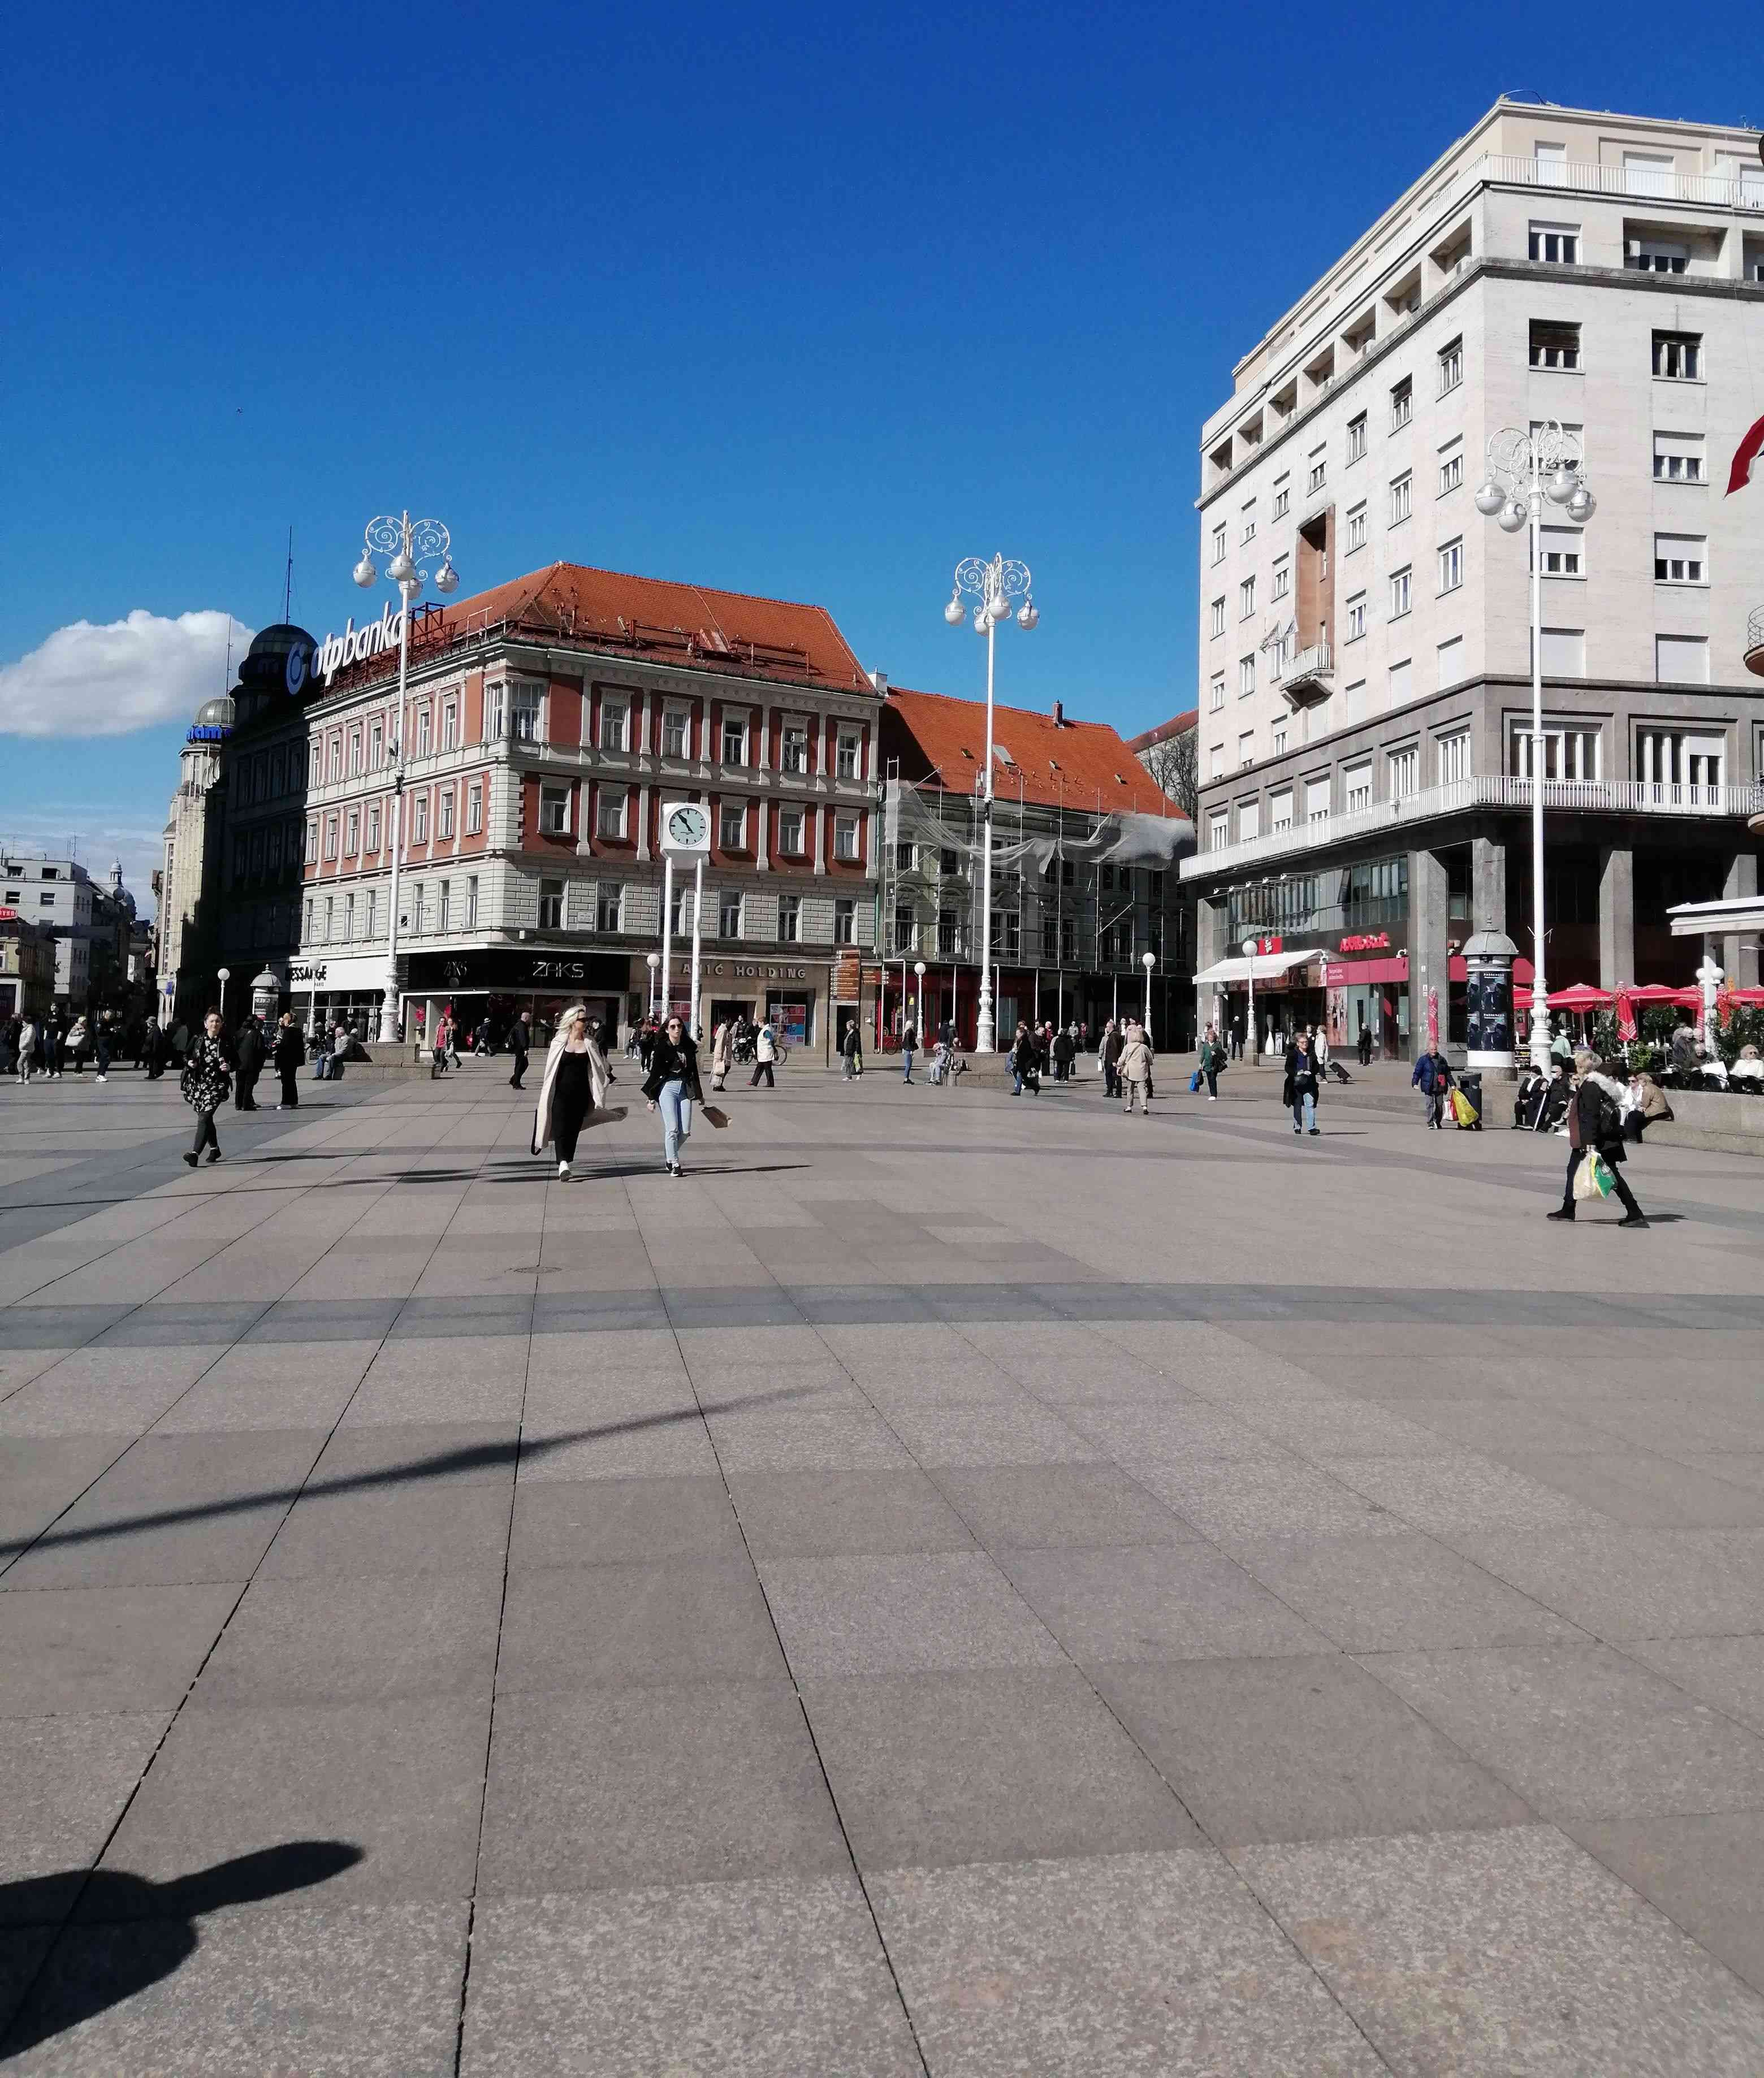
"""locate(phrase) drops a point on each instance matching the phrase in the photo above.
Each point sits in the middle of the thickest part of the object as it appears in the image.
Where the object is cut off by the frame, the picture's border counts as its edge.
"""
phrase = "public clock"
(686, 828)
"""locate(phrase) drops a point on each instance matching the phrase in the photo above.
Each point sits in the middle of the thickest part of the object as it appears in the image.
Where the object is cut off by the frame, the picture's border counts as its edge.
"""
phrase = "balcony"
(1618, 797)
(1305, 678)
(1755, 642)
(1743, 190)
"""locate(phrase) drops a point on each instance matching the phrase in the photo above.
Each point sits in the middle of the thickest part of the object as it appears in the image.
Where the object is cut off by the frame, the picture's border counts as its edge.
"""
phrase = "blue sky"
(805, 301)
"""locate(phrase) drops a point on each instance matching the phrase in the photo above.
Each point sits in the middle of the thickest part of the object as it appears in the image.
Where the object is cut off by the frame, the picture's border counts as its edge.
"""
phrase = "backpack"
(1607, 1119)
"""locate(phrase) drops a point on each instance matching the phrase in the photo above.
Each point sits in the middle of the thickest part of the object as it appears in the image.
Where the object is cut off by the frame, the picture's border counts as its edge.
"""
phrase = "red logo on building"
(1274, 943)
(1373, 942)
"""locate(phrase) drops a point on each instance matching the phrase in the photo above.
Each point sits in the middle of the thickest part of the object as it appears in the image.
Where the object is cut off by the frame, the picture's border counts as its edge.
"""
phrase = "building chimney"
(880, 680)
(1059, 715)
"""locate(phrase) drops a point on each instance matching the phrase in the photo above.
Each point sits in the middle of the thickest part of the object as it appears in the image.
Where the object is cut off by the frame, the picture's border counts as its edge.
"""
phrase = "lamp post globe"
(1000, 592)
(1513, 516)
(364, 573)
(1489, 498)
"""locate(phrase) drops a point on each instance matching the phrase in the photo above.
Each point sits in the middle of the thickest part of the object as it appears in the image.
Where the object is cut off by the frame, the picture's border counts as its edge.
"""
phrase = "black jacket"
(517, 1039)
(248, 1049)
(290, 1048)
(1301, 1076)
(669, 1062)
(1594, 1120)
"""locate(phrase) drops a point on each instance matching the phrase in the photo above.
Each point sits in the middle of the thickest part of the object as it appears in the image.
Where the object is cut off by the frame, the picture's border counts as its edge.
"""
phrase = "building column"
(761, 863)
(1616, 917)
(1212, 916)
(1739, 954)
(1430, 905)
(1488, 885)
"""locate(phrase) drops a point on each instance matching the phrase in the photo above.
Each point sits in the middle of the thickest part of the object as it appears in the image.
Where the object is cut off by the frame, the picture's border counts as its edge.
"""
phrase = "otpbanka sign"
(354, 645)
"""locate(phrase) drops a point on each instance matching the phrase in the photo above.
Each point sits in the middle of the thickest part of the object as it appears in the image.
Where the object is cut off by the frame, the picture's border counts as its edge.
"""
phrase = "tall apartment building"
(1365, 665)
(545, 722)
(1083, 882)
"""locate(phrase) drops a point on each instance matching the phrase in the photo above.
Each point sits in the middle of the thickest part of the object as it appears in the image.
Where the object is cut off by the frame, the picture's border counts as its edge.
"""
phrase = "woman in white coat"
(573, 1092)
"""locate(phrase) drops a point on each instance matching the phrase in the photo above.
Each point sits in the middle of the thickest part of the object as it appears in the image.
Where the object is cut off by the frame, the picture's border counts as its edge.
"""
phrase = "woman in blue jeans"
(673, 1089)
(1301, 1089)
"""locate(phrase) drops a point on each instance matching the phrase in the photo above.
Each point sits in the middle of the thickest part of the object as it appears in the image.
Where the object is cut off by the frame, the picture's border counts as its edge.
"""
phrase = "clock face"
(688, 826)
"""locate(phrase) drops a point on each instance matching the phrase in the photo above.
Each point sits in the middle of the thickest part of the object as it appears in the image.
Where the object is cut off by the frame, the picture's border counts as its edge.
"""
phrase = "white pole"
(667, 934)
(389, 1002)
(1253, 1045)
(698, 939)
(1540, 986)
(983, 1033)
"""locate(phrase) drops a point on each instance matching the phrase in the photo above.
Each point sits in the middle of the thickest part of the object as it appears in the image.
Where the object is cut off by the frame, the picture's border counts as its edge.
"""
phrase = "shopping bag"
(1592, 1178)
(1463, 1110)
(714, 1115)
(1194, 1082)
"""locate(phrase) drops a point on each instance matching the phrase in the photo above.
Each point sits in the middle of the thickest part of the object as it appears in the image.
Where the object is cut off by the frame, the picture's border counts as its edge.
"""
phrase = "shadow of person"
(128, 1932)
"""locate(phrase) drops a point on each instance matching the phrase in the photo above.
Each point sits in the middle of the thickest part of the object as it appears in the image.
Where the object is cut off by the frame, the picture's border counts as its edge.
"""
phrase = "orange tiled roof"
(1081, 765)
(678, 622)
(1176, 725)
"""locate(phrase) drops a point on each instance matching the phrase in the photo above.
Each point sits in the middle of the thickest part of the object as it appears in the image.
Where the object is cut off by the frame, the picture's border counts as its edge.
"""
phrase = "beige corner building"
(1364, 669)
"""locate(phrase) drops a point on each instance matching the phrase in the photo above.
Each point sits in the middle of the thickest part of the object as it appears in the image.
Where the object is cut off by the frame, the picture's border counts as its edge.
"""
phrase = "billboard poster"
(792, 1022)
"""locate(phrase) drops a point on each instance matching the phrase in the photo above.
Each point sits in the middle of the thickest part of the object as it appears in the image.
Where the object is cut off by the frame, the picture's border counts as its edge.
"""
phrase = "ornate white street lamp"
(918, 1008)
(223, 975)
(995, 587)
(1148, 961)
(407, 545)
(1525, 471)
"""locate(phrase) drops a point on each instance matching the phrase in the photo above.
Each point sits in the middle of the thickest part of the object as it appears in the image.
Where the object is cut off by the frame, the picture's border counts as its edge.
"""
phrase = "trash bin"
(1469, 1080)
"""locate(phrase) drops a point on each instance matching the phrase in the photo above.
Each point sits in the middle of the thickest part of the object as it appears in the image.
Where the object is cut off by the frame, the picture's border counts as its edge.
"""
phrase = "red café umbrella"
(1626, 1017)
(1656, 991)
(1582, 996)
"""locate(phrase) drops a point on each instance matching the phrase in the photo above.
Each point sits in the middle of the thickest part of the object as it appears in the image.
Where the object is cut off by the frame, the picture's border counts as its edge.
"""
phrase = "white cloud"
(88, 680)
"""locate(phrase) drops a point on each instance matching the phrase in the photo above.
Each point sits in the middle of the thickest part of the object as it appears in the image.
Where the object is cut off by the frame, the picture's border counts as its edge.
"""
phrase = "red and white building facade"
(546, 722)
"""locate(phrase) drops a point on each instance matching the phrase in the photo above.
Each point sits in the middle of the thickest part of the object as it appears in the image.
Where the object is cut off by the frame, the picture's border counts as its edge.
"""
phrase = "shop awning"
(1267, 966)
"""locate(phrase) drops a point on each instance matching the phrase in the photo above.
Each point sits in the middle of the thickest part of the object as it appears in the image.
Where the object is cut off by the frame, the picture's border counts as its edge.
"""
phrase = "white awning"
(1715, 920)
(1268, 966)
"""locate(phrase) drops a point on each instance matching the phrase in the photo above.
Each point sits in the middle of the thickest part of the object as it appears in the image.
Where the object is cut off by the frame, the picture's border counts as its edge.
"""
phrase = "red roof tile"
(1081, 765)
(1176, 725)
(679, 624)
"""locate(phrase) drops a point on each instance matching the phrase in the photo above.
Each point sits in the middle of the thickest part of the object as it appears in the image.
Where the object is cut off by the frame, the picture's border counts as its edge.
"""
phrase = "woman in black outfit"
(673, 1088)
(1594, 1120)
(208, 1077)
(574, 1090)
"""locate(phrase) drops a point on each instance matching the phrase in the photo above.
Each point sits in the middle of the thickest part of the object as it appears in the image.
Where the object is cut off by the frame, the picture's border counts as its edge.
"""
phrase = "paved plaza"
(955, 1585)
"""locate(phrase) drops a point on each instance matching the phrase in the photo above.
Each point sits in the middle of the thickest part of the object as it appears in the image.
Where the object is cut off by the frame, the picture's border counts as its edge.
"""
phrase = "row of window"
(1692, 759)
(611, 818)
(1116, 946)
(735, 920)
(267, 851)
(910, 857)
(1677, 356)
(355, 832)
(1559, 244)
(518, 708)
(349, 918)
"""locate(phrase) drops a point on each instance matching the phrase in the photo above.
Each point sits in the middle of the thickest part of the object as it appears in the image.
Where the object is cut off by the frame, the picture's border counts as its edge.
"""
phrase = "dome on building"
(265, 666)
(214, 714)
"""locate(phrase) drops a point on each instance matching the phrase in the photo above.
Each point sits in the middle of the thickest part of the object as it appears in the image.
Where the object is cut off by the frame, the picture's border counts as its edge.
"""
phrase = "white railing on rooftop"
(1622, 797)
(1744, 189)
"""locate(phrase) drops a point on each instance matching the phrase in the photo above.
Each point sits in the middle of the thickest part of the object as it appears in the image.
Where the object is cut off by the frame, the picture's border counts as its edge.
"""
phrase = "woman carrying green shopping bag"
(1596, 1144)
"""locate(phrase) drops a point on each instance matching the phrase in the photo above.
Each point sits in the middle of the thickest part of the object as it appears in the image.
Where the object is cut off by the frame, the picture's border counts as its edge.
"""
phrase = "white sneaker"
(104, 1078)
(563, 1169)
(1212, 1101)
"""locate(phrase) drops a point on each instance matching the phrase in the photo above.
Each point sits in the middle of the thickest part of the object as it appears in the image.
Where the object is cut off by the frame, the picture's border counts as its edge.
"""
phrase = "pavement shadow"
(132, 1932)
(440, 1464)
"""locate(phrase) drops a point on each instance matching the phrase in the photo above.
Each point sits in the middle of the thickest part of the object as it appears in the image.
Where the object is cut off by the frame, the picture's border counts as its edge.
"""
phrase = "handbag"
(713, 1115)
(1194, 1082)
(1592, 1178)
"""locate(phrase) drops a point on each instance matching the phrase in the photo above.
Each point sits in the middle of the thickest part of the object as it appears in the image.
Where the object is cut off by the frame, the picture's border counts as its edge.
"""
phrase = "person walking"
(573, 1090)
(1134, 1070)
(248, 1051)
(673, 1087)
(765, 1055)
(1213, 1061)
(1113, 1039)
(1432, 1076)
(1319, 1046)
(51, 1047)
(519, 1037)
(1025, 1063)
(289, 1057)
(1301, 1087)
(1062, 1050)
(206, 1077)
(910, 1040)
(1365, 1046)
(103, 1039)
(720, 1042)
(1595, 1123)
(851, 1053)
(27, 1048)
